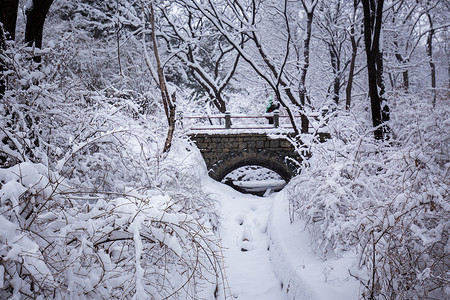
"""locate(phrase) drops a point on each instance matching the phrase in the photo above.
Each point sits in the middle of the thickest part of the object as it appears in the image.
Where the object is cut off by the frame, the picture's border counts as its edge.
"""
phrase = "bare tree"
(168, 99)
(430, 58)
(240, 24)
(373, 11)
(406, 27)
(331, 18)
(309, 7)
(191, 37)
(354, 40)
(401, 17)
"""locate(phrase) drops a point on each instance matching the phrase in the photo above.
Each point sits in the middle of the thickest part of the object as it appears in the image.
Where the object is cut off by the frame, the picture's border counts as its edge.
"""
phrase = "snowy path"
(244, 238)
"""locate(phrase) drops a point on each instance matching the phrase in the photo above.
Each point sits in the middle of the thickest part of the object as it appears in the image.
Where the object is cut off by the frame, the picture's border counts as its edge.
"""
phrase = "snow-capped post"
(227, 120)
(276, 118)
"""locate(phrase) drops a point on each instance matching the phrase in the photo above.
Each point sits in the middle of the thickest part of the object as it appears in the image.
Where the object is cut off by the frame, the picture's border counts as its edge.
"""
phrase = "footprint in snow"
(240, 219)
(247, 239)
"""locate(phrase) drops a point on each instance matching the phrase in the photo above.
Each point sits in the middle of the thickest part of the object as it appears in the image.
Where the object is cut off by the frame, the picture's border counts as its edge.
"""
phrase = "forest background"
(98, 196)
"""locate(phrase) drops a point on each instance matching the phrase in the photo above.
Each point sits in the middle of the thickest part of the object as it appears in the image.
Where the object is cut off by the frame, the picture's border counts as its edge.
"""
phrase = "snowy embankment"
(304, 275)
(266, 257)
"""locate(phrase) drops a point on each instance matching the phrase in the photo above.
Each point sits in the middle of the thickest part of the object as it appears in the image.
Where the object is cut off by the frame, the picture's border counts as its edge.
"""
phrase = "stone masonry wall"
(215, 146)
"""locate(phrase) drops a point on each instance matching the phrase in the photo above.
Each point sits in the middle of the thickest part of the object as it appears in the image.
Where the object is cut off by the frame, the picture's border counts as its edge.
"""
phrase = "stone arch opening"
(256, 180)
(276, 162)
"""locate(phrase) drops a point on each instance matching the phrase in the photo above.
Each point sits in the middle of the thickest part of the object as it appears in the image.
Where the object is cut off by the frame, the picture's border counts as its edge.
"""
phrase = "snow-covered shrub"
(105, 216)
(54, 244)
(90, 207)
(387, 201)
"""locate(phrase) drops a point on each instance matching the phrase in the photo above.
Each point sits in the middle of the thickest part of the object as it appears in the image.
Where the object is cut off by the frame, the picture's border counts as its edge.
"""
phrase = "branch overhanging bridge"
(228, 142)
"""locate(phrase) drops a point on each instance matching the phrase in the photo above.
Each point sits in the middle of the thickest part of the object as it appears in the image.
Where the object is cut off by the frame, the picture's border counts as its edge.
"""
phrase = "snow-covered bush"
(388, 201)
(90, 207)
(54, 244)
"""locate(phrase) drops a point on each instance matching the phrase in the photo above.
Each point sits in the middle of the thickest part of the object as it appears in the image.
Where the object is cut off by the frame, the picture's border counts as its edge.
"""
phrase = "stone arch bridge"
(225, 152)
(227, 149)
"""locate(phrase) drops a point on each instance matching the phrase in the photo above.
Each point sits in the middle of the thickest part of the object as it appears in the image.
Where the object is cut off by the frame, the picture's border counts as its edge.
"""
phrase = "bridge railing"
(239, 121)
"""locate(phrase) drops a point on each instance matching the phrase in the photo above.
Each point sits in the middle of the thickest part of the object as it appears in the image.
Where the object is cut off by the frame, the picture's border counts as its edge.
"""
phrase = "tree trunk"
(351, 72)
(372, 30)
(8, 16)
(2, 62)
(35, 24)
(335, 66)
(167, 99)
(405, 73)
(430, 59)
(305, 65)
(304, 69)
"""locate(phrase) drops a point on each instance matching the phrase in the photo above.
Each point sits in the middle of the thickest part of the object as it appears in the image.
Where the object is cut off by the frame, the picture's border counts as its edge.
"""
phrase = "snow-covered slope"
(266, 257)
(303, 273)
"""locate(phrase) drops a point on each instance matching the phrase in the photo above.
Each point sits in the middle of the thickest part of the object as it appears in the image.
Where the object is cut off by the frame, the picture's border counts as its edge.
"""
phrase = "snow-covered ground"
(265, 258)
(255, 180)
(245, 244)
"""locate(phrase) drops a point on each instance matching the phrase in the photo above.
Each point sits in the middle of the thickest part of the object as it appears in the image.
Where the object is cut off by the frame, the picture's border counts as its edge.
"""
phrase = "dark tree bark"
(336, 69)
(309, 9)
(351, 72)
(373, 10)
(214, 89)
(35, 24)
(430, 58)
(354, 42)
(2, 62)
(405, 74)
(8, 16)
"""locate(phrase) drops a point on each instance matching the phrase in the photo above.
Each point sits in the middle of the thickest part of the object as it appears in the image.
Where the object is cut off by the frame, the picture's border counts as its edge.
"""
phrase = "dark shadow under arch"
(281, 164)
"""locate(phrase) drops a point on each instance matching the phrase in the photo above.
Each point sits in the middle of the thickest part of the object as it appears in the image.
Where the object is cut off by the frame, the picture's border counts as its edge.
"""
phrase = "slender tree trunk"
(430, 59)
(167, 99)
(304, 69)
(372, 30)
(351, 72)
(35, 24)
(2, 62)
(335, 66)
(405, 73)
(305, 65)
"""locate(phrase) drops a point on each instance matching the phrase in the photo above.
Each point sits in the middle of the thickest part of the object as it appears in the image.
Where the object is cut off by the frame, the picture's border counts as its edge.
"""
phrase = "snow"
(254, 129)
(266, 257)
(245, 244)
(307, 275)
(258, 185)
